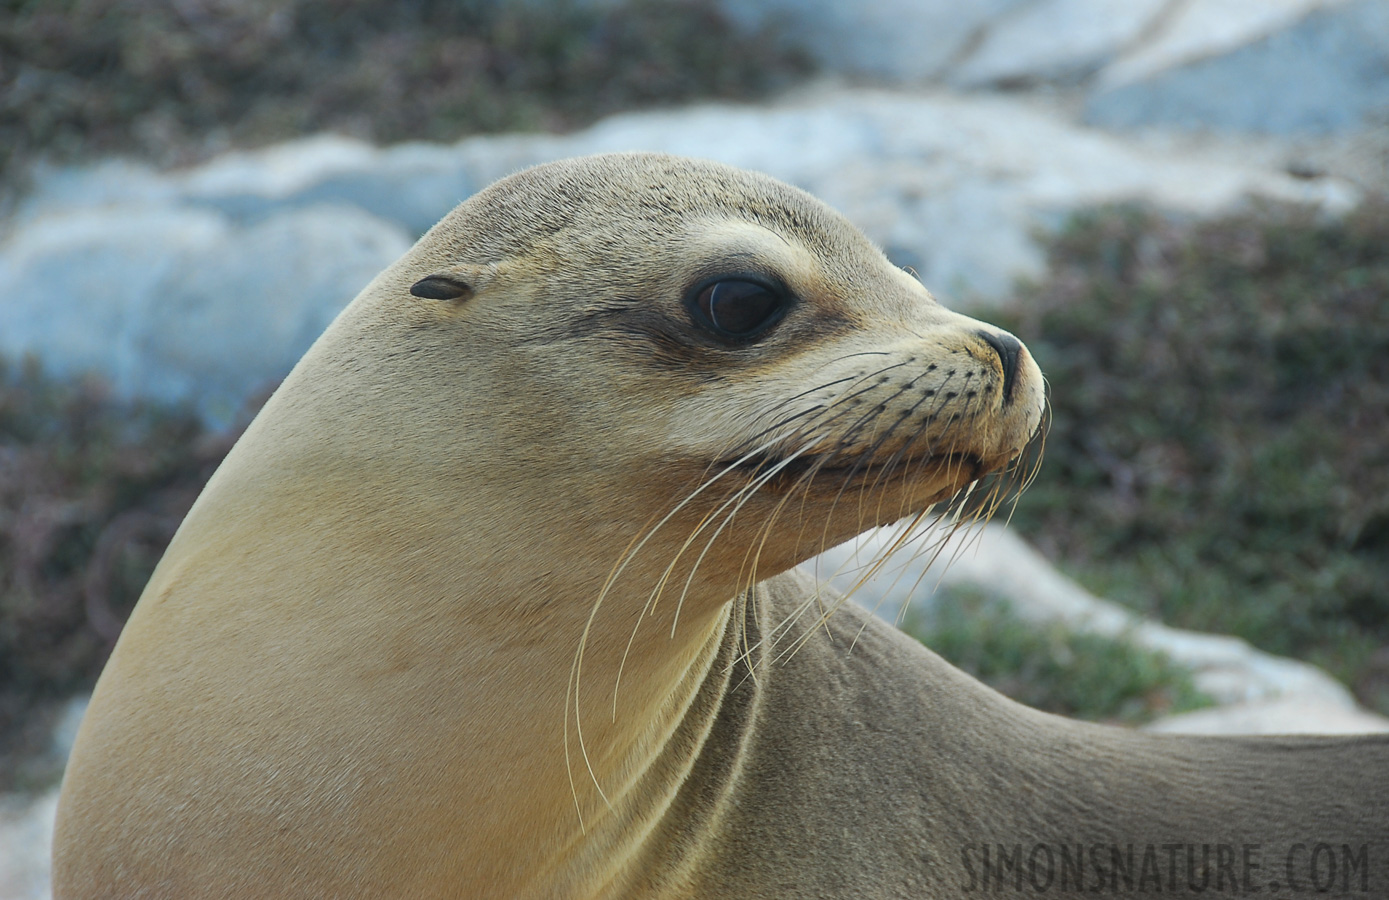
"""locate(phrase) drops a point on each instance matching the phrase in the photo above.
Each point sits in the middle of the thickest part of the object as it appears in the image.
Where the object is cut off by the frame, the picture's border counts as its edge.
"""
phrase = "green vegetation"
(90, 493)
(1050, 668)
(172, 80)
(1219, 453)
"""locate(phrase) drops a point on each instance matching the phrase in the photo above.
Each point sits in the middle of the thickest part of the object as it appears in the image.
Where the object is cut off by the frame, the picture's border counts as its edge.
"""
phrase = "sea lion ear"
(457, 284)
(442, 287)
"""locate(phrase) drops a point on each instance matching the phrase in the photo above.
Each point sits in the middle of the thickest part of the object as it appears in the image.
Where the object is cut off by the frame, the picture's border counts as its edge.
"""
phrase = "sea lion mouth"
(818, 471)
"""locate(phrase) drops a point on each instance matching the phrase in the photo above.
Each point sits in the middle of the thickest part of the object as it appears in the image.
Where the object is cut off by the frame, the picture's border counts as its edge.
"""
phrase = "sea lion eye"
(737, 310)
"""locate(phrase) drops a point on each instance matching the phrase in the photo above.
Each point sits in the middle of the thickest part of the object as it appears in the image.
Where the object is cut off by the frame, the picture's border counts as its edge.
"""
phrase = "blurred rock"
(1056, 41)
(26, 836)
(897, 40)
(225, 320)
(178, 303)
(1269, 66)
(1293, 715)
(1263, 66)
(65, 730)
(206, 283)
(1000, 563)
(77, 286)
(411, 185)
(1202, 29)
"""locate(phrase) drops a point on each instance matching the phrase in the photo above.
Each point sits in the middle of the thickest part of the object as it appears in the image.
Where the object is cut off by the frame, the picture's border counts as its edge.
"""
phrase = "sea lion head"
(652, 330)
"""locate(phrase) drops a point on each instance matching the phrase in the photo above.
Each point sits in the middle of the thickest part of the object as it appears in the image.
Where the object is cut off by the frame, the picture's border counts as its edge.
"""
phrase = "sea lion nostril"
(1007, 348)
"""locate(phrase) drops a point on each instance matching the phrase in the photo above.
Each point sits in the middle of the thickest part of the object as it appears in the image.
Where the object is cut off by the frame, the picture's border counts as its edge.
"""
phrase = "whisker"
(746, 495)
(831, 431)
(649, 607)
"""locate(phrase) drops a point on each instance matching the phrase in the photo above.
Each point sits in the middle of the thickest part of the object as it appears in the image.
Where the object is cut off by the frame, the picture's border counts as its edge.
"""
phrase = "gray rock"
(1260, 66)
(65, 730)
(26, 836)
(897, 40)
(1294, 715)
(107, 182)
(222, 322)
(180, 304)
(206, 283)
(997, 561)
(411, 185)
(1056, 41)
(1327, 72)
(1193, 30)
(77, 287)
(957, 188)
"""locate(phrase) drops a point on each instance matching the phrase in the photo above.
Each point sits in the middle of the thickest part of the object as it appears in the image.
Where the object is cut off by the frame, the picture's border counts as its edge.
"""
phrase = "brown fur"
(484, 604)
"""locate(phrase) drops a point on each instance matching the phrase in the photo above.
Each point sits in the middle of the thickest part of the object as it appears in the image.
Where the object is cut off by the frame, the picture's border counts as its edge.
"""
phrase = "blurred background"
(1179, 205)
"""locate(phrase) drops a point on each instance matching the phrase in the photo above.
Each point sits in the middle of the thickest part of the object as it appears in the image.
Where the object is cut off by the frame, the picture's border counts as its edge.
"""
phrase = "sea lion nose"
(1007, 347)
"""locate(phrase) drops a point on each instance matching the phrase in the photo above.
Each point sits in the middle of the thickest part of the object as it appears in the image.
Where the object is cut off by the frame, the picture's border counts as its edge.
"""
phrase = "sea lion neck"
(467, 631)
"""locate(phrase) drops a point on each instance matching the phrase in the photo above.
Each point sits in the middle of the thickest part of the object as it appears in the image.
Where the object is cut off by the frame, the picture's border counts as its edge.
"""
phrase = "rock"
(1285, 67)
(1261, 66)
(1203, 29)
(1000, 563)
(1056, 41)
(78, 286)
(26, 822)
(65, 730)
(957, 188)
(209, 282)
(225, 320)
(180, 304)
(26, 836)
(900, 41)
(1288, 716)
(411, 185)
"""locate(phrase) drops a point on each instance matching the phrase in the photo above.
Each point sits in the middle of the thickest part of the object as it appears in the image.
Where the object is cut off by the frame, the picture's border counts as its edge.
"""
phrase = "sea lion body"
(494, 598)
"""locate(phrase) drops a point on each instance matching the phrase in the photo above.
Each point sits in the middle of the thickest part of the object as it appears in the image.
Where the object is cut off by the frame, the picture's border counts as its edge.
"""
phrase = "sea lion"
(495, 599)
